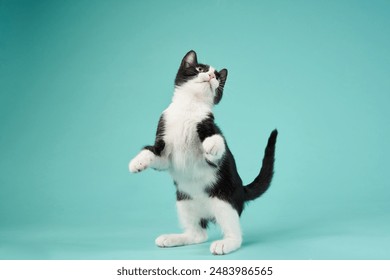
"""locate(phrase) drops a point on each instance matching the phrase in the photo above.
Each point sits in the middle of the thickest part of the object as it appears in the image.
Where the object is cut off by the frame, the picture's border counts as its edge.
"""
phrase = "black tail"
(263, 180)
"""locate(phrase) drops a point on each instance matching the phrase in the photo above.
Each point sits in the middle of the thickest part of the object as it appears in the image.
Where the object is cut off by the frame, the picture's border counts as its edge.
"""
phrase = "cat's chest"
(181, 131)
(184, 149)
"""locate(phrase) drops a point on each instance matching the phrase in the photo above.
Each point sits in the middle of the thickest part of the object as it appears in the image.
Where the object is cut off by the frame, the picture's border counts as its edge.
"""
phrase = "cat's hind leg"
(229, 221)
(193, 224)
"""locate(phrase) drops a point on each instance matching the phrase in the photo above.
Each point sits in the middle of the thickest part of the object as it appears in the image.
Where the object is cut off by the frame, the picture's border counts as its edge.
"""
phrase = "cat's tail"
(263, 180)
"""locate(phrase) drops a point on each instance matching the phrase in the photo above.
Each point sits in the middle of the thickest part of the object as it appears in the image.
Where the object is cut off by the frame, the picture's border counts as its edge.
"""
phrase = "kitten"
(192, 148)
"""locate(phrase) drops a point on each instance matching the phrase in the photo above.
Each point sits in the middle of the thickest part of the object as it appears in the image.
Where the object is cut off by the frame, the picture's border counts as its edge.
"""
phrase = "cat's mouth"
(207, 77)
(204, 82)
(208, 80)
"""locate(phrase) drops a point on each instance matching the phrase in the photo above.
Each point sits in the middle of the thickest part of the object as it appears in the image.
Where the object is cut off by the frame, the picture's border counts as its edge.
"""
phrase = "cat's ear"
(189, 59)
(222, 77)
(222, 80)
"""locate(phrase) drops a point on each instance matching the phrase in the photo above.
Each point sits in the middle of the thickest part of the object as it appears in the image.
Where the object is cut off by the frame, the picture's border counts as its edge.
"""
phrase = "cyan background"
(82, 85)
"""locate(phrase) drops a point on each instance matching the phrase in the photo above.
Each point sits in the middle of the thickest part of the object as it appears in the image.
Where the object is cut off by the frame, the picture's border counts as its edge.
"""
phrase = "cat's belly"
(199, 207)
(195, 181)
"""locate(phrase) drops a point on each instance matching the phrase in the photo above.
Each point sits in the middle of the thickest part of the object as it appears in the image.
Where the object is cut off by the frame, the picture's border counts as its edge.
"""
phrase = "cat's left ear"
(222, 80)
(189, 59)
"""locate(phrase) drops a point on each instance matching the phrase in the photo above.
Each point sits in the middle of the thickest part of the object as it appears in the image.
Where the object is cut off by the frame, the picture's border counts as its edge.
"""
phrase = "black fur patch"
(159, 143)
(203, 223)
(212, 164)
(229, 185)
(207, 128)
(182, 196)
(187, 69)
(221, 76)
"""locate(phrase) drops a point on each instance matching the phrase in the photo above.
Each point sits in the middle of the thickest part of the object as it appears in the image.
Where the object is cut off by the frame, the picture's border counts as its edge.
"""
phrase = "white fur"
(141, 161)
(146, 159)
(185, 157)
(191, 211)
(229, 221)
(214, 148)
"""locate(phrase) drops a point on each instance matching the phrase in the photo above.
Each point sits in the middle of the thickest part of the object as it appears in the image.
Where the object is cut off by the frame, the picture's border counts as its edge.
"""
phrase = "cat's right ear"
(189, 59)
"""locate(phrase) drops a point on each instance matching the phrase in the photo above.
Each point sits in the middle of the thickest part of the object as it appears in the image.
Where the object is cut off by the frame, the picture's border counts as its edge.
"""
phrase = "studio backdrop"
(83, 83)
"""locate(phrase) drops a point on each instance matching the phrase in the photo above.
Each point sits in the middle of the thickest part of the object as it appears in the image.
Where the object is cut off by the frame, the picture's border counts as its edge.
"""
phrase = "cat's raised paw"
(214, 147)
(141, 161)
(224, 246)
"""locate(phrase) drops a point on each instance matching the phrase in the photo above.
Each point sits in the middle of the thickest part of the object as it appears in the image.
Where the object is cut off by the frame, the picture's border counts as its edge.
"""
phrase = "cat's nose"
(211, 75)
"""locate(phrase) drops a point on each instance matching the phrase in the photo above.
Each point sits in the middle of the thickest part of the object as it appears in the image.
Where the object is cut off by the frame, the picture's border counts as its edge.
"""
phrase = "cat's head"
(200, 78)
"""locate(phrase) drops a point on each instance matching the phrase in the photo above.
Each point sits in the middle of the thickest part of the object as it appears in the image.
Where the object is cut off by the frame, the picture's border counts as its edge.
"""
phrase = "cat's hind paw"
(141, 161)
(173, 240)
(224, 246)
(170, 240)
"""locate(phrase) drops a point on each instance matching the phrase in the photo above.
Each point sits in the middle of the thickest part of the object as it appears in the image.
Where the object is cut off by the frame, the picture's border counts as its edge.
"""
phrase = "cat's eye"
(199, 69)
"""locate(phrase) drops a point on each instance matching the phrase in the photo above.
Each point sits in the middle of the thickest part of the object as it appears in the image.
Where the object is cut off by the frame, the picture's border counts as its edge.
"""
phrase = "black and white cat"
(192, 148)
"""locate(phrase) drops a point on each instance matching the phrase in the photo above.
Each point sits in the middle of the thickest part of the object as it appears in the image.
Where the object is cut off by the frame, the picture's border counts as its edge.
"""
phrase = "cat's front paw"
(141, 161)
(214, 148)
